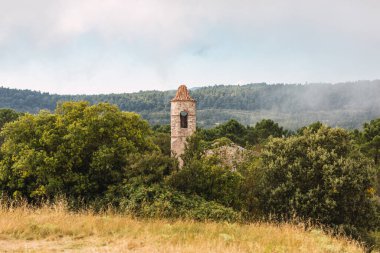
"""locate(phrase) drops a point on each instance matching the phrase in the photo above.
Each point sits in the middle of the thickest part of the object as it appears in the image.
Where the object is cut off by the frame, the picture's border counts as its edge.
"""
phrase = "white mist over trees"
(346, 105)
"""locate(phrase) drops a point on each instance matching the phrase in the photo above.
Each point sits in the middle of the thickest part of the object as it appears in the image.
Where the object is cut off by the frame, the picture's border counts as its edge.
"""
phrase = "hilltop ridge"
(347, 104)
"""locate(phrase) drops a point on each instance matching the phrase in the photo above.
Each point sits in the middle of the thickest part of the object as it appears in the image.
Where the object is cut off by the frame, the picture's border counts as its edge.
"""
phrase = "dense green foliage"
(347, 105)
(99, 155)
(78, 151)
(160, 201)
(145, 193)
(8, 115)
(371, 140)
(244, 135)
(319, 176)
(96, 155)
(209, 179)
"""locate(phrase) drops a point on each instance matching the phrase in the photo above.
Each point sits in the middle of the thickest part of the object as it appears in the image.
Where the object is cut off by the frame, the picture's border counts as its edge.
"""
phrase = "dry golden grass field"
(54, 229)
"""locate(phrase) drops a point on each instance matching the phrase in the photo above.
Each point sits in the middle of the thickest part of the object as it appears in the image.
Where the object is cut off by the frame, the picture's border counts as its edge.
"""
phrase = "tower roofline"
(182, 94)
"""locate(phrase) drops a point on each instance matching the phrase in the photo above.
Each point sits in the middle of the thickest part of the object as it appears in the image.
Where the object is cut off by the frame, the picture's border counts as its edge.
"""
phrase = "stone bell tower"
(182, 120)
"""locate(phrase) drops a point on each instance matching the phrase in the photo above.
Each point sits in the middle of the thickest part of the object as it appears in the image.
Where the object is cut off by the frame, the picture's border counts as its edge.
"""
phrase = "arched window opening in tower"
(183, 116)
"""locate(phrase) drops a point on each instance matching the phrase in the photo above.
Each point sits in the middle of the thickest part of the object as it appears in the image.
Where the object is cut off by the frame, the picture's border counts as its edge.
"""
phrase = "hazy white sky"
(105, 46)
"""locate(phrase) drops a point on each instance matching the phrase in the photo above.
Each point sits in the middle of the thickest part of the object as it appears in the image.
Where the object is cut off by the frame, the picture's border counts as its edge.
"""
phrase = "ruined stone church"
(182, 120)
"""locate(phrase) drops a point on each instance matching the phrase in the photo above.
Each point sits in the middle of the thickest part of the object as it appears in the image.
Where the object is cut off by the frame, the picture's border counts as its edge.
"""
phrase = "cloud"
(169, 23)
(229, 38)
(164, 23)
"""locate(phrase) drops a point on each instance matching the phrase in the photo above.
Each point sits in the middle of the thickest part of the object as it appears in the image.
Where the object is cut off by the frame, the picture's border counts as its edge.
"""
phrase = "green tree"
(144, 192)
(149, 168)
(266, 128)
(80, 150)
(313, 127)
(162, 128)
(231, 129)
(208, 178)
(162, 140)
(319, 176)
(196, 147)
(8, 115)
(371, 138)
(251, 170)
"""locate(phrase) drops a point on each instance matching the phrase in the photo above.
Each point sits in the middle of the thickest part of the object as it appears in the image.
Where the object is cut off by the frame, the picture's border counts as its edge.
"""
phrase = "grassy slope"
(55, 229)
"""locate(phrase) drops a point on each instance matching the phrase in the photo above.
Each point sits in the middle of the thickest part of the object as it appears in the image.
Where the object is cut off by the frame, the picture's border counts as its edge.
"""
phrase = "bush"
(144, 193)
(242, 135)
(209, 179)
(162, 140)
(8, 115)
(371, 140)
(319, 176)
(266, 128)
(159, 201)
(78, 151)
(251, 170)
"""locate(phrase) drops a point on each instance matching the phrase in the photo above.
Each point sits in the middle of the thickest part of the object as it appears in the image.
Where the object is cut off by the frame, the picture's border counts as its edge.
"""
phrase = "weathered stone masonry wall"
(178, 134)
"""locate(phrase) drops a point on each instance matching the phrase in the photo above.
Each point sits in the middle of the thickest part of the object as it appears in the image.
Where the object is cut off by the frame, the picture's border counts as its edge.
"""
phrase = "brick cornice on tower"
(182, 94)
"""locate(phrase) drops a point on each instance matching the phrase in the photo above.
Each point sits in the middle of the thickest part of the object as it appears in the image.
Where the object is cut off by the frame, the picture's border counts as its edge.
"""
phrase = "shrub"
(371, 140)
(208, 178)
(319, 176)
(144, 193)
(159, 201)
(78, 151)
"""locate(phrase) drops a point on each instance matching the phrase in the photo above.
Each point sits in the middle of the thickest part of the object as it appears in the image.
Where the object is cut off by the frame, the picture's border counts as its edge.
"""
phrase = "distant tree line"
(347, 105)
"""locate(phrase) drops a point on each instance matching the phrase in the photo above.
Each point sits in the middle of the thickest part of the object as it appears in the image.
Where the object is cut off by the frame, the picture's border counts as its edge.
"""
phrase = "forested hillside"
(344, 104)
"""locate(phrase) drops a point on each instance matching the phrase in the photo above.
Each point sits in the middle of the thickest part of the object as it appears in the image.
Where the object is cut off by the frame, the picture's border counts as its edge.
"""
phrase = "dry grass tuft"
(54, 228)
